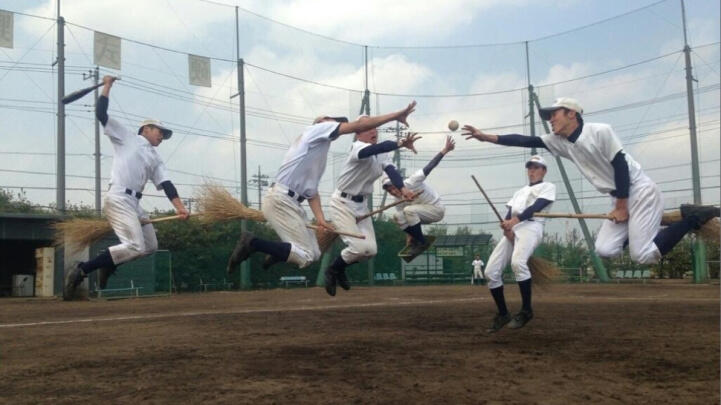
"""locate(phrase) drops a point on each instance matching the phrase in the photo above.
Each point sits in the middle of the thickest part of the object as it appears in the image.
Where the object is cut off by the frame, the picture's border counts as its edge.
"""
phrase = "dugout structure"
(447, 261)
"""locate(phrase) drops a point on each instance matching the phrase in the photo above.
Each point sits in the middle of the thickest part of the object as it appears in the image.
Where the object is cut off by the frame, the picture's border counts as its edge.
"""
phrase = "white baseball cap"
(167, 133)
(563, 102)
(536, 159)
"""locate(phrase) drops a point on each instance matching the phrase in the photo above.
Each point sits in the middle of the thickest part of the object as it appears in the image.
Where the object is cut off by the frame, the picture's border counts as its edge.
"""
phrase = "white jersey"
(592, 153)
(135, 160)
(416, 183)
(358, 175)
(305, 160)
(527, 195)
(477, 264)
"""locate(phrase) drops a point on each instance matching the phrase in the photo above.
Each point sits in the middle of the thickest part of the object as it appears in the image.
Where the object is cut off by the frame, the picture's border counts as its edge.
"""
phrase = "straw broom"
(326, 239)
(543, 271)
(77, 233)
(709, 231)
(217, 205)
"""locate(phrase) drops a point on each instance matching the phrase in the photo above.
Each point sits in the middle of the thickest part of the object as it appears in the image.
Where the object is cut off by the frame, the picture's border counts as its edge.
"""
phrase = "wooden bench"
(294, 280)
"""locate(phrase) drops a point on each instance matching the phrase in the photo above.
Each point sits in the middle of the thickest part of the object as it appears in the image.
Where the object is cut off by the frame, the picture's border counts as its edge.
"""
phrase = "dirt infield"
(652, 343)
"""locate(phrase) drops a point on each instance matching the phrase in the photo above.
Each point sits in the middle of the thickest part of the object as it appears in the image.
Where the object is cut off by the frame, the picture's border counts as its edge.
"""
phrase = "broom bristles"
(543, 271)
(709, 231)
(77, 233)
(217, 204)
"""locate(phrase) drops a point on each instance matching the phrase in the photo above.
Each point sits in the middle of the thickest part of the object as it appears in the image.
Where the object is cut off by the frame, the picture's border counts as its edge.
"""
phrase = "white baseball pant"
(124, 213)
(288, 219)
(528, 235)
(345, 212)
(645, 209)
(413, 214)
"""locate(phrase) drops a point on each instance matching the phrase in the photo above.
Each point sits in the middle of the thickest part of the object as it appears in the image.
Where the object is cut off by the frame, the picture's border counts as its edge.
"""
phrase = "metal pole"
(244, 267)
(531, 110)
(367, 104)
(597, 263)
(60, 168)
(96, 75)
(699, 268)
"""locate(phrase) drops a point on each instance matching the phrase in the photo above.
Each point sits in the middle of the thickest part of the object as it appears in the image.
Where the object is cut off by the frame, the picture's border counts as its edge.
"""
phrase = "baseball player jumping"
(522, 234)
(426, 208)
(297, 181)
(366, 162)
(636, 200)
(135, 161)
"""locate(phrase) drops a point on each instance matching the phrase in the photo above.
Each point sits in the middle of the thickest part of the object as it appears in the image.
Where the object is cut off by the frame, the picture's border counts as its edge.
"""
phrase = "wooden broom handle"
(385, 207)
(163, 219)
(569, 215)
(352, 235)
(487, 199)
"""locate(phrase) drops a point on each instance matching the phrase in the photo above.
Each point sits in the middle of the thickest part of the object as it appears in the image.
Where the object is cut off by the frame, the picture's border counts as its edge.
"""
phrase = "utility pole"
(60, 164)
(94, 74)
(244, 268)
(260, 180)
(699, 249)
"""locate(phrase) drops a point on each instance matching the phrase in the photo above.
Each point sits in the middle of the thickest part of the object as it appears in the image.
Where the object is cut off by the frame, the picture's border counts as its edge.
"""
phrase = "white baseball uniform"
(355, 181)
(135, 161)
(528, 235)
(592, 153)
(477, 269)
(426, 208)
(299, 175)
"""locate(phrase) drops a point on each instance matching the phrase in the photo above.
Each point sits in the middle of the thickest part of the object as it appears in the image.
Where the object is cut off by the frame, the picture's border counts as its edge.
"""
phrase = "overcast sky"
(463, 60)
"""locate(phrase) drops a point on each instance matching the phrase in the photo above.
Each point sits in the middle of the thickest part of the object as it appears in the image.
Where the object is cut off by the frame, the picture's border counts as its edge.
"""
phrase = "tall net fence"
(627, 71)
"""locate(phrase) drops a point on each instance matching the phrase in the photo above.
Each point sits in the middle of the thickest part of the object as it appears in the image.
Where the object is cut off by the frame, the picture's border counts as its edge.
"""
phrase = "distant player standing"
(477, 264)
(598, 154)
(135, 161)
(522, 234)
(367, 161)
(426, 207)
(297, 181)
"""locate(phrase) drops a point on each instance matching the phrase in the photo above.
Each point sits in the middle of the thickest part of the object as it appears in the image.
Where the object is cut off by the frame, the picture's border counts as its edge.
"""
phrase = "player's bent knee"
(645, 257)
(605, 250)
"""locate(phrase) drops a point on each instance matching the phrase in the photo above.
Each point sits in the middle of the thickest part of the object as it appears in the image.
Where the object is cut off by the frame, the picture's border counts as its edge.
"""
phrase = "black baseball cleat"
(73, 278)
(270, 261)
(330, 281)
(242, 251)
(499, 321)
(521, 319)
(699, 214)
(104, 274)
(342, 280)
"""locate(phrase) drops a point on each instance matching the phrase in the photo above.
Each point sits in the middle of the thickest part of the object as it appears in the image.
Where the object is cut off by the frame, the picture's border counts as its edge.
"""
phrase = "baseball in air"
(453, 125)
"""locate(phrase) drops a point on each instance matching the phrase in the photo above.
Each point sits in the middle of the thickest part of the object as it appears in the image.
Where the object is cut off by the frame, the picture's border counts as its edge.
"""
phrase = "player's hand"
(508, 224)
(472, 132)
(403, 114)
(407, 142)
(450, 145)
(619, 215)
(509, 235)
(324, 225)
(407, 194)
(108, 80)
(183, 212)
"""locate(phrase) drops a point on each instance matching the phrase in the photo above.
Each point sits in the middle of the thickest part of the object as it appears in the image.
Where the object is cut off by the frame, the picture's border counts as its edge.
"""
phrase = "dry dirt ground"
(616, 343)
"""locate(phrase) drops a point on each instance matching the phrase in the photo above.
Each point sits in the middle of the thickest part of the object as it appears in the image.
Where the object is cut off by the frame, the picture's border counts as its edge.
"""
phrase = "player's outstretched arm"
(376, 121)
(449, 146)
(505, 140)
